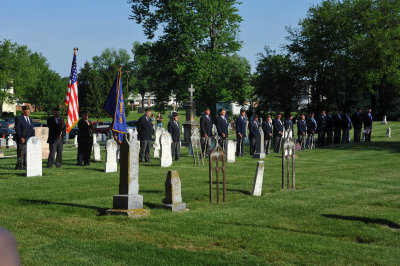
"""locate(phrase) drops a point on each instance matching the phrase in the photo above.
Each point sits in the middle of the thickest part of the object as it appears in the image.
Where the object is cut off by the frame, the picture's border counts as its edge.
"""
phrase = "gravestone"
(43, 133)
(258, 179)
(10, 142)
(384, 120)
(94, 139)
(3, 143)
(195, 146)
(111, 163)
(260, 153)
(98, 137)
(1, 154)
(389, 132)
(156, 144)
(103, 137)
(76, 141)
(173, 196)
(96, 152)
(166, 155)
(288, 153)
(231, 151)
(33, 157)
(190, 122)
(128, 201)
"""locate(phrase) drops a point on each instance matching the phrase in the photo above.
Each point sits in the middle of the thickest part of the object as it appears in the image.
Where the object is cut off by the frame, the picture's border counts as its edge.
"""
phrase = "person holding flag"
(115, 107)
(71, 99)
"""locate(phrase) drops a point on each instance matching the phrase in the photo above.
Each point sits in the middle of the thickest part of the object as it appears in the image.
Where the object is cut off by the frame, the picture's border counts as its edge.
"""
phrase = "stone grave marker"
(43, 133)
(76, 141)
(94, 139)
(173, 196)
(128, 201)
(1, 154)
(10, 142)
(288, 152)
(389, 132)
(156, 145)
(260, 153)
(166, 155)
(96, 152)
(231, 151)
(103, 137)
(3, 143)
(111, 163)
(258, 179)
(33, 157)
(384, 120)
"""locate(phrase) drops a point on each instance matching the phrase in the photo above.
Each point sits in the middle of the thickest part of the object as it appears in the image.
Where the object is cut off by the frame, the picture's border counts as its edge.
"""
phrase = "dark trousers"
(21, 156)
(206, 145)
(252, 146)
(84, 150)
(223, 143)
(176, 150)
(144, 150)
(357, 134)
(277, 143)
(239, 146)
(321, 137)
(329, 135)
(55, 147)
(345, 136)
(267, 144)
(302, 141)
(336, 138)
(368, 136)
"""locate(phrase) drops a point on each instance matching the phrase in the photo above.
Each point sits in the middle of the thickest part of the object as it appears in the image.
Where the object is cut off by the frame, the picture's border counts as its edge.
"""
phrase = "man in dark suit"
(289, 125)
(240, 132)
(267, 128)
(253, 133)
(222, 128)
(85, 139)
(338, 122)
(302, 131)
(329, 128)
(321, 129)
(368, 119)
(206, 132)
(357, 120)
(56, 127)
(23, 130)
(173, 129)
(145, 129)
(346, 127)
(312, 127)
(277, 133)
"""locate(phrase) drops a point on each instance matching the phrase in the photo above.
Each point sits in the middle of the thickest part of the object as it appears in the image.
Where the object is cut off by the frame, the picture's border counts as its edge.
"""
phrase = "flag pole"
(65, 105)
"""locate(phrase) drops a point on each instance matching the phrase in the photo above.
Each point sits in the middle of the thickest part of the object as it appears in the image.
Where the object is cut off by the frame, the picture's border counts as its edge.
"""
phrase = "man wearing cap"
(23, 130)
(240, 132)
(206, 132)
(145, 129)
(85, 139)
(222, 128)
(56, 126)
(173, 129)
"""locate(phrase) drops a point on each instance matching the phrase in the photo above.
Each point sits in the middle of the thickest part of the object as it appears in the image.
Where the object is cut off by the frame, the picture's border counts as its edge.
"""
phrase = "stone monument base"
(127, 202)
(259, 155)
(132, 213)
(175, 207)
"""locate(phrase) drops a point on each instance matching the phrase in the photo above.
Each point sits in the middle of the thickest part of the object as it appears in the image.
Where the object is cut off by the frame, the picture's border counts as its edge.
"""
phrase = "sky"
(55, 27)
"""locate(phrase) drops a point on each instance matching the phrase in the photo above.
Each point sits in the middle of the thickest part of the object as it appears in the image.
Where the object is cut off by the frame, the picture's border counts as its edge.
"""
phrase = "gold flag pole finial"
(75, 50)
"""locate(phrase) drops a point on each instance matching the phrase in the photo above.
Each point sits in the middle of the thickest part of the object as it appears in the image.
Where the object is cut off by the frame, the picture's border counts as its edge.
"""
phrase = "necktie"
(27, 120)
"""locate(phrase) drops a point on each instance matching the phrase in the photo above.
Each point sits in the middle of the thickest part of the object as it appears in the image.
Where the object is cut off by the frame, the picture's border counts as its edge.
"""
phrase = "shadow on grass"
(154, 191)
(392, 146)
(364, 220)
(153, 205)
(149, 164)
(239, 190)
(100, 211)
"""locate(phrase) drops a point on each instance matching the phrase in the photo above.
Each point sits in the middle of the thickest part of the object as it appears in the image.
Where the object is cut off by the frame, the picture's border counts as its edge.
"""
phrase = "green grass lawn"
(345, 210)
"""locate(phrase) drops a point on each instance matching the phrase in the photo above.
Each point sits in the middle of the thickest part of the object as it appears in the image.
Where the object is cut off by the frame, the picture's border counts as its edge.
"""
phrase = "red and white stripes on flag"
(71, 99)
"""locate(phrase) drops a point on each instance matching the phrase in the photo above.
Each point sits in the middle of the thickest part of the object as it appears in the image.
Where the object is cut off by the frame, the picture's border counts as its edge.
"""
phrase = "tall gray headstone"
(111, 163)
(156, 145)
(166, 155)
(128, 201)
(3, 143)
(96, 152)
(258, 179)
(33, 157)
(260, 153)
(173, 195)
(389, 132)
(231, 151)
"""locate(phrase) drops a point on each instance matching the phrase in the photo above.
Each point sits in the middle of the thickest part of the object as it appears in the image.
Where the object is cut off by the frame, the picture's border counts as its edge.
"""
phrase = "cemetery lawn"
(345, 210)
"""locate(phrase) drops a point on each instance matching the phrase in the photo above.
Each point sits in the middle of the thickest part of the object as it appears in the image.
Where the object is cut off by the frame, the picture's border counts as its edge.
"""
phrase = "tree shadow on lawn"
(392, 146)
(366, 220)
(100, 211)
(239, 190)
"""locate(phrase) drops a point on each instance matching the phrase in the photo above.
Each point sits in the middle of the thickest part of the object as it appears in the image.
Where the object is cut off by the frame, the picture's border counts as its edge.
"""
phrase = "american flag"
(71, 99)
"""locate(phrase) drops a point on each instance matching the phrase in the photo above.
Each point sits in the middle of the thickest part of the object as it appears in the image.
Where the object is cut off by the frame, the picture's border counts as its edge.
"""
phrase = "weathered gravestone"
(190, 122)
(258, 179)
(96, 152)
(166, 155)
(156, 145)
(94, 139)
(128, 201)
(33, 157)
(260, 153)
(231, 151)
(43, 133)
(384, 120)
(10, 141)
(111, 163)
(288, 152)
(3, 143)
(389, 132)
(76, 141)
(1, 154)
(196, 147)
(98, 137)
(173, 195)
(103, 137)
(217, 156)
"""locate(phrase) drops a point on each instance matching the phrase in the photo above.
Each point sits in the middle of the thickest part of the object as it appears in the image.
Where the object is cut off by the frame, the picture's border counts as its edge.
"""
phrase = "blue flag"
(115, 107)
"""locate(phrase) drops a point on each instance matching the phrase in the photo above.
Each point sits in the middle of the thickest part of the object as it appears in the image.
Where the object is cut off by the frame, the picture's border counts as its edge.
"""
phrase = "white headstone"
(384, 120)
(96, 152)
(76, 141)
(231, 151)
(103, 137)
(166, 155)
(3, 143)
(389, 132)
(94, 139)
(33, 157)
(258, 179)
(111, 163)
(99, 137)
(43, 133)
(10, 141)
(156, 144)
